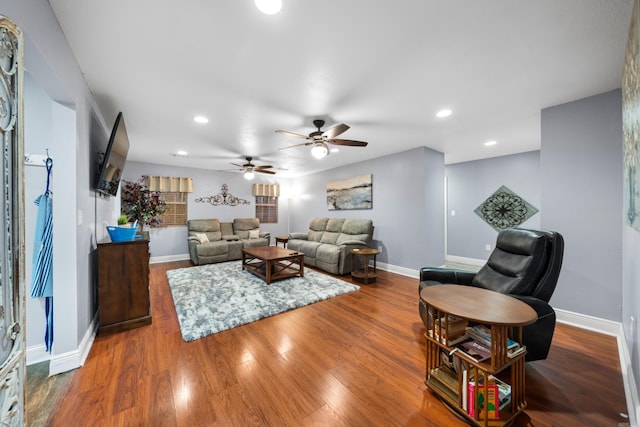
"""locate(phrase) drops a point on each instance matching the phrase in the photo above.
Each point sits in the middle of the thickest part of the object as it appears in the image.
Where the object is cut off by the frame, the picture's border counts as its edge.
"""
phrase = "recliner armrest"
(446, 275)
(298, 236)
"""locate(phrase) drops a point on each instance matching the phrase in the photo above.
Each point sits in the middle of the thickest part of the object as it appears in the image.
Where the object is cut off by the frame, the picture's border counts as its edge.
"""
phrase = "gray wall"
(470, 183)
(52, 66)
(172, 241)
(408, 205)
(581, 188)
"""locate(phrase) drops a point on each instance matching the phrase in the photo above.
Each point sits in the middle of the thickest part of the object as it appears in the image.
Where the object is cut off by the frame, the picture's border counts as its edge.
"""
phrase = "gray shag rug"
(215, 297)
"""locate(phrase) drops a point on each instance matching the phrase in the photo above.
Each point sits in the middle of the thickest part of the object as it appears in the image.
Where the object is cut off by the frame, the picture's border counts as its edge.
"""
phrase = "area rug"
(216, 297)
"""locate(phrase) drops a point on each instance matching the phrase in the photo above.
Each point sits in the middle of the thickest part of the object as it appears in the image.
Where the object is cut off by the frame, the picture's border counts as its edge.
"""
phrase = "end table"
(366, 274)
(283, 240)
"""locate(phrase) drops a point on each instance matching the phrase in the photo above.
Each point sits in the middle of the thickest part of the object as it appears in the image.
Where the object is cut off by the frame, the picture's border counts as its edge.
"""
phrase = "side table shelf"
(449, 371)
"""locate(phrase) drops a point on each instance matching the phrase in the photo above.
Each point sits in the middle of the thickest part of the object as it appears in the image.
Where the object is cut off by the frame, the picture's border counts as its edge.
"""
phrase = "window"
(267, 209)
(176, 213)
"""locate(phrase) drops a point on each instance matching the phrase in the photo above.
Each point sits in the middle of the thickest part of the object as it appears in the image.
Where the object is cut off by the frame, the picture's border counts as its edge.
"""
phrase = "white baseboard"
(169, 258)
(398, 270)
(74, 359)
(37, 354)
(463, 260)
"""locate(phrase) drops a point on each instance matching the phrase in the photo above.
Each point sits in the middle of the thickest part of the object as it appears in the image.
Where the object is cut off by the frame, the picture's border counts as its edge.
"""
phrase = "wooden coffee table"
(272, 263)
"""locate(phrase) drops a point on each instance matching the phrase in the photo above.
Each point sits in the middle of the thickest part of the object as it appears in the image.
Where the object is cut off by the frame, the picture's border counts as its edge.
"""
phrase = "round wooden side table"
(283, 240)
(366, 274)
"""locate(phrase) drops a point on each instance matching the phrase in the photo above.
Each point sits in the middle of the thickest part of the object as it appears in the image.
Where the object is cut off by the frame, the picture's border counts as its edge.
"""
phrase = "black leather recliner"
(524, 264)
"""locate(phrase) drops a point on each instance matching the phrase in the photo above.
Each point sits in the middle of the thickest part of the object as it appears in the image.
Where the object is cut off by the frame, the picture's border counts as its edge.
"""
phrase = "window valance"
(272, 190)
(169, 184)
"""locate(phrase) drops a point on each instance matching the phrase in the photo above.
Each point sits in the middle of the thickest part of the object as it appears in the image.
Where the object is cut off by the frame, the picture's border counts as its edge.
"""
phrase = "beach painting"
(350, 193)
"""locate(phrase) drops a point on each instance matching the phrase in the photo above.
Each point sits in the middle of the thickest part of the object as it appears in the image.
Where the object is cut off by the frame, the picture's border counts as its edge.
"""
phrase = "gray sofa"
(213, 241)
(328, 243)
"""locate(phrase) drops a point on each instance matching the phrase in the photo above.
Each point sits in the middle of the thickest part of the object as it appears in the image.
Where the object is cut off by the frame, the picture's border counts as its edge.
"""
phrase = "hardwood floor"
(353, 360)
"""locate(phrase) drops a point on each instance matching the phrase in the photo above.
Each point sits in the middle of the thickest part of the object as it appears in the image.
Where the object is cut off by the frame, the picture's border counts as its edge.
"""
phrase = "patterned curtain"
(169, 184)
(272, 190)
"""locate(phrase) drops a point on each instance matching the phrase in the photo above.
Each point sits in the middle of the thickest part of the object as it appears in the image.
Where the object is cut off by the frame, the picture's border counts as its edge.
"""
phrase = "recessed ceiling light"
(334, 150)
(443, 113)
(181, 153)
(269, 7)
(490, 143)
(200, 119)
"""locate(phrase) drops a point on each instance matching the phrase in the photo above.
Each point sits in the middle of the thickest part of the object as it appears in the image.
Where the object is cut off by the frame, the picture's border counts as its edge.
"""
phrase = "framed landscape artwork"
(350, 193)
(631, 122)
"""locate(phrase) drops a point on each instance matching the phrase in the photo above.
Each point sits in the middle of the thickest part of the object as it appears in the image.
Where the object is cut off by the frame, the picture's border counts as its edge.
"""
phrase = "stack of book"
(498, 396)
(482, 335)
(445, 380)
(450, 328)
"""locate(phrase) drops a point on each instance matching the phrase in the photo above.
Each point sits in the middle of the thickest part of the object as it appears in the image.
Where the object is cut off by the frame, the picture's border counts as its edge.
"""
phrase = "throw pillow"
(254, 234)
(202, 237)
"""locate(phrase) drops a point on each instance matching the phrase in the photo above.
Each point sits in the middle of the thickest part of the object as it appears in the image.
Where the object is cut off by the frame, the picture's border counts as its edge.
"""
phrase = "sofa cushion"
(242, 226)
(352, 239)
(357, 226)
(308, 248)
(254, 234)
(328, 254)
(329, 237)
(211, 227)
(335, 224)
(212, 249)
(316, 229)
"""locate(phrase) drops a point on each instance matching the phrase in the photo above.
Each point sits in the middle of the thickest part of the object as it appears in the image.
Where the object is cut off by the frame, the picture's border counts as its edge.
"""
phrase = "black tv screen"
(110, 170)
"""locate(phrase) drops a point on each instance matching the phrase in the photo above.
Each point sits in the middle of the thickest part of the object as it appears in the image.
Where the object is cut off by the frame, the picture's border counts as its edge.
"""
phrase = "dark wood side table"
(366, 274)
(283, 240)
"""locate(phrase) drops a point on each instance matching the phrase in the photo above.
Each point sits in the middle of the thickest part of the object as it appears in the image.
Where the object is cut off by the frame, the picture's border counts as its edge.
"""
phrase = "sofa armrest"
(358, 243)
(193, 239)
(298, 236)
(446, 275)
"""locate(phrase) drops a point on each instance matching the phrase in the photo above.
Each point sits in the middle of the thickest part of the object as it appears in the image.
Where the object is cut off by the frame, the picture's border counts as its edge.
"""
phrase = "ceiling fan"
(249, 169)
(319, 139)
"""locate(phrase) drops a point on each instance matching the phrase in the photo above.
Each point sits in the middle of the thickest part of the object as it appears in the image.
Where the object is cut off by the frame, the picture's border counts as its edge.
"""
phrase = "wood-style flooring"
(353, 360)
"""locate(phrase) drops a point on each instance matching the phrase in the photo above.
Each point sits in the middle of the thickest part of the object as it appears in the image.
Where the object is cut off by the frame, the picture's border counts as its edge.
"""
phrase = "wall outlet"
(453, 212)
(487, 247)
(380, 248)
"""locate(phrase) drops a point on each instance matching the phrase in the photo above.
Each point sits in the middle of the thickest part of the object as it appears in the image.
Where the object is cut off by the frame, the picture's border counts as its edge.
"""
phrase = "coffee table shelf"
(273, 263)
(504, 316)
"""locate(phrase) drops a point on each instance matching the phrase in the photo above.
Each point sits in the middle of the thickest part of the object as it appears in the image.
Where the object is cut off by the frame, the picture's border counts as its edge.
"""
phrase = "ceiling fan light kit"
(249, 175)
(249, 170)
(269, 7)
(319, 150)
(319, 139)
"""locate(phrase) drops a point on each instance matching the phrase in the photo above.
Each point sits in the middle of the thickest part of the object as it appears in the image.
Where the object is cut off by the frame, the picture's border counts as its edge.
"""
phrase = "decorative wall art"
(350, 193)
(631, 122)
(505, 209)
(223, 198)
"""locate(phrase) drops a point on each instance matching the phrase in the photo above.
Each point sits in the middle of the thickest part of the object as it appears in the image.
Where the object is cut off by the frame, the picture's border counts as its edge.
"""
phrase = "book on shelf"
(453, 339)
(482, 334)
(445, 380)
(476, 350)
(498, 396)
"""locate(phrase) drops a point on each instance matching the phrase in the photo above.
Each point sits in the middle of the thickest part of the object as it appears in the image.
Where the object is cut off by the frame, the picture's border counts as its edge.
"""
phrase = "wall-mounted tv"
(115, 156)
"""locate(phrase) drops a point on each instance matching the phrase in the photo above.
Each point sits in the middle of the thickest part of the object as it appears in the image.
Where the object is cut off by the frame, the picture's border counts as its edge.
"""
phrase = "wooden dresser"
(123, 286)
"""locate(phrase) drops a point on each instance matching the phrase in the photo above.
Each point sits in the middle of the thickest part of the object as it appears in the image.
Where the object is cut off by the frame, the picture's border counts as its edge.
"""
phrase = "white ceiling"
(382, 67)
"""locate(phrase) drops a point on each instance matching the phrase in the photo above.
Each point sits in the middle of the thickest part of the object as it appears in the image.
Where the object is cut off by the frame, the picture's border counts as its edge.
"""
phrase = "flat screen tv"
(115, 156)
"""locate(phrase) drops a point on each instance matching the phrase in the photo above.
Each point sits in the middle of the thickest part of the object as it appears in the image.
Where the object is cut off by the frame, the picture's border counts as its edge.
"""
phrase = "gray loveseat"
(213, 241)
(328, 243)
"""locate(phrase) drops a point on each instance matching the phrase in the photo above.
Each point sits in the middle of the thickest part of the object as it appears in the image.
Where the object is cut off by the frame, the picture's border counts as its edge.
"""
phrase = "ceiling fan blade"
(264, 171)
(297, 145)
(287, 133)
(235, 164)
(264, 167)
(348, 142)
(335, 131)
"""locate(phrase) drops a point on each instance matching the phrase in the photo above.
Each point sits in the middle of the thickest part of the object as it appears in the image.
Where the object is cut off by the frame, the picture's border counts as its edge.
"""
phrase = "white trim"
(37, 354)
(464, 260)
(169, 258)
(591, 323)
(398, 270)
(76, 358)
